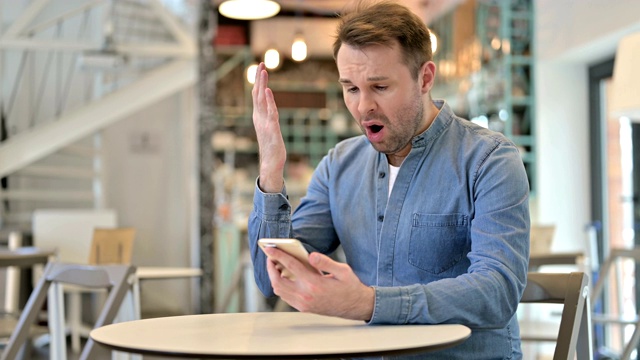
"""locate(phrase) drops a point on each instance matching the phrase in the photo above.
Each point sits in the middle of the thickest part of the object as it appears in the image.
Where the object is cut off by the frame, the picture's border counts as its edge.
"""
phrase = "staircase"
(69, 69)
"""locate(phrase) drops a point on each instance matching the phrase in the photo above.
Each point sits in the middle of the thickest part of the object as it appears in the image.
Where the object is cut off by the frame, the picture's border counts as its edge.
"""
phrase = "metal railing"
(59, 62)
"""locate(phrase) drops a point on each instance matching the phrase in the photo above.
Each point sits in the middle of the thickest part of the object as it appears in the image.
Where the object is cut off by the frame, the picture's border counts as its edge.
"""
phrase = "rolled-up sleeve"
(270, 218)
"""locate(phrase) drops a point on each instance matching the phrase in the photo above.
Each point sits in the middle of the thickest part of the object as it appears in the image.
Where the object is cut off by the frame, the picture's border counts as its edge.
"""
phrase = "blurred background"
(143, 107)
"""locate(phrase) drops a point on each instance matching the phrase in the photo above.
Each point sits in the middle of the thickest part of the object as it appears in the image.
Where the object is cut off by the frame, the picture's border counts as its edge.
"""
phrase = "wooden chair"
(113, 278)
(572, 290)
(541, 238)
(606, 273)
(112, 246)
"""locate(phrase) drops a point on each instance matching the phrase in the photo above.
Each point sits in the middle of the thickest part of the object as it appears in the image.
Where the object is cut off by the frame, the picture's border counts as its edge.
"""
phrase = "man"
(430, 209)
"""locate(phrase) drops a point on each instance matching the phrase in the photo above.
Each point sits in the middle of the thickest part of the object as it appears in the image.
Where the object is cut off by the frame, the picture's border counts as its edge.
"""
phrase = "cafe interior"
(130, 122)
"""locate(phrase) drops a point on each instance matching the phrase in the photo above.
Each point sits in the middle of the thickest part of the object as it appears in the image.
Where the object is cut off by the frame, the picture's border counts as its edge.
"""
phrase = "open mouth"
(375, 128)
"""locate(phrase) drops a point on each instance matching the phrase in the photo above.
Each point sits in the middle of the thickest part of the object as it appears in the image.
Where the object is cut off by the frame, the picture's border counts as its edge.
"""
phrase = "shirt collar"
(442, 120)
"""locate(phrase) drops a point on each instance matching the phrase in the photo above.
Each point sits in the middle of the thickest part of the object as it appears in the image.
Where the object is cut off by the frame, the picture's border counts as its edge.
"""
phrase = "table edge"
(391, 352)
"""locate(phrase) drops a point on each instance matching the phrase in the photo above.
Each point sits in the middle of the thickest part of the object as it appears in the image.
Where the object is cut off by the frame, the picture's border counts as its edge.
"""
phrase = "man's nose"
(366, 105)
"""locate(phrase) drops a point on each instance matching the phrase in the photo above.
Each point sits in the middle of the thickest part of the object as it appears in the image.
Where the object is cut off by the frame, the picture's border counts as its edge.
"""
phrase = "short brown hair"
(382, 23)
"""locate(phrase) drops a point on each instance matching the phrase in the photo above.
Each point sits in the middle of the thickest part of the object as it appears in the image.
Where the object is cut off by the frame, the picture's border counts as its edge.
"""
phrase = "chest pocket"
(438, 241)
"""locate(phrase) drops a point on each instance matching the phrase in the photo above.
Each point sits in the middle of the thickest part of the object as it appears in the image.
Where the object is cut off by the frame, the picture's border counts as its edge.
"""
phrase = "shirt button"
(381, 175)
(381, 218)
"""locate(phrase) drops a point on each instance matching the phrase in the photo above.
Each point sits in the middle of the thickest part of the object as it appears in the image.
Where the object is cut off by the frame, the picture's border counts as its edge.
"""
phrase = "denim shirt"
(450, 244)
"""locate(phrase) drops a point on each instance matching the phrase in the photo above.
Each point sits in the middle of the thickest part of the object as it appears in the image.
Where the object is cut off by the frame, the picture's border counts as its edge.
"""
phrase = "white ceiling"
(427, 9)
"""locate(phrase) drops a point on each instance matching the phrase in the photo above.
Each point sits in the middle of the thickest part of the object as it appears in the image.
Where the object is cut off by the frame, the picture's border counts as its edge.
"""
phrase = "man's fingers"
(256, 80)
(295, 267)
(264, 103)
(272, 269)
(259, 87)
(256, 87)
(272, 109)
(325, 264)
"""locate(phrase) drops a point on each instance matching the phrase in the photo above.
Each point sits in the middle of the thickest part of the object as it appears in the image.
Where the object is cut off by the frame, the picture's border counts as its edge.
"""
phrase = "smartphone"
(291, 246)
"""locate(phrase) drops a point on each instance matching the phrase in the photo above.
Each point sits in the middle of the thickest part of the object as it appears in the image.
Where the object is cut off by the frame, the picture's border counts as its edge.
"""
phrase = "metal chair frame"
(604, 274)
(113, 278)
(572, 290)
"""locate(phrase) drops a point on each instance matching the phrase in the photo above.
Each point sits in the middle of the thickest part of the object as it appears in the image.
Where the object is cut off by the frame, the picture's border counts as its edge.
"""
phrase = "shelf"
(523, 140)
(521, 60)
(528, 158)
(521, 101)
(521, 15)
(509, 72)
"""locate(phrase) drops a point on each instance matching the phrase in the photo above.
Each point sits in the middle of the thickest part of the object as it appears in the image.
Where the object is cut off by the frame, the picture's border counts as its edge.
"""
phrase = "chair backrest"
(113, 278)
(571, 290)
(607, 265)
(112, 246)
(541, 238)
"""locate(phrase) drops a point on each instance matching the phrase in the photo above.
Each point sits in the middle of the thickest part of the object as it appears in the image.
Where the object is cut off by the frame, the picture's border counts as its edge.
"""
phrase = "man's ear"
(427, 76)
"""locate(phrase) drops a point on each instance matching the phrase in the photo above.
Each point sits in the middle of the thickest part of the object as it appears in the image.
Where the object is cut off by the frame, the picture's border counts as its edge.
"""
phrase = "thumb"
(324, 263)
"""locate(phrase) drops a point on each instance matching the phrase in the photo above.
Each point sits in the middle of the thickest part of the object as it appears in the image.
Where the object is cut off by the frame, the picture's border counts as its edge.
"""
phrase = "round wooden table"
(273, 335)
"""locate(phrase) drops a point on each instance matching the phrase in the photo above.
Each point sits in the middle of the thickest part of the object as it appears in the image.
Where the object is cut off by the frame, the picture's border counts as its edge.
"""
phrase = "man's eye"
(352, 89)
(381, 88)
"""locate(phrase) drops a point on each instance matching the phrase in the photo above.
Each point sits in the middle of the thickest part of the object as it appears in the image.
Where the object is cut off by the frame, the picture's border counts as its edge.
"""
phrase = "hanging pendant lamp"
(249, 9)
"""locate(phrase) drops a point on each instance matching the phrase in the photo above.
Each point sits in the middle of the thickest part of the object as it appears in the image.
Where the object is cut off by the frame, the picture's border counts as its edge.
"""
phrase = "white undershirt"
(393, 174)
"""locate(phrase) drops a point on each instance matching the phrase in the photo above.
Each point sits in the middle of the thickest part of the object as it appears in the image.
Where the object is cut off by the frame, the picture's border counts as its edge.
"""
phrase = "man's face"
(382, 95)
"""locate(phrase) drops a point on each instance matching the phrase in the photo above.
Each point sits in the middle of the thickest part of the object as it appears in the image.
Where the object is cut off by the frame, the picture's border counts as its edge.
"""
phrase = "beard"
(408, 123)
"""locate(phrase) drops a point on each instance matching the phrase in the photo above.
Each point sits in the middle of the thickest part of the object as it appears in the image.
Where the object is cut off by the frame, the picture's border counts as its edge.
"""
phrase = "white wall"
(570, 36)
(583, 31)
(150, 188)
(563, 143)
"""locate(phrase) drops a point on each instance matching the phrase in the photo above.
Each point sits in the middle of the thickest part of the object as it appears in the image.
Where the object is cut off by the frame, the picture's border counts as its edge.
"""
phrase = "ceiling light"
(249, 9)
(299, 48)
(434, 41)
(272, 58)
